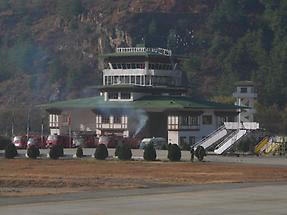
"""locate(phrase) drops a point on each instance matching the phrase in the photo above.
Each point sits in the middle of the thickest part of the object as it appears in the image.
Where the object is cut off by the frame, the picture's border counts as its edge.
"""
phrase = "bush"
(164, 146)
(124, 152)
(10, 151)
(117, 150)
(56, 151)
(33, 152)
(101, 152)
(149, 152)
(174, 152)
(200, 153)
(79, 152)
(4, 141)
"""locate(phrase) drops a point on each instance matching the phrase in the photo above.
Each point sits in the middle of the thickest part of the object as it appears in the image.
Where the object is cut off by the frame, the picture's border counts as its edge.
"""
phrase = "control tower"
(245, 95)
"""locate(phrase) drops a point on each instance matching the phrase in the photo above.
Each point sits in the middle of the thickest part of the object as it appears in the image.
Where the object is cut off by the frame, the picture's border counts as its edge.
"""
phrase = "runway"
(198, 199)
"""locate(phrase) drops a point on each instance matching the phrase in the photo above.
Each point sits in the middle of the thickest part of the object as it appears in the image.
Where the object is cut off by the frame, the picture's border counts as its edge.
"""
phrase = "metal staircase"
(266, 146)
(212, 138)
(230, 141)
(259, 148)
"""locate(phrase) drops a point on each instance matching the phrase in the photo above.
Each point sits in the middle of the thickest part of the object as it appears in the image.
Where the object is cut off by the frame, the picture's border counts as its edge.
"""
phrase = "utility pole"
(28, 123)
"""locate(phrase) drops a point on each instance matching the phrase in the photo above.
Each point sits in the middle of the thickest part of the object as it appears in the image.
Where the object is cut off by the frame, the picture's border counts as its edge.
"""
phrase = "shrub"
(149, 152)
(124, 152)
(61, 149)
(10, 151)
(33, 152)
(4, 141)
(79, 152)
(56, 151)
(174, 152)
(200, 153)
(101, 152)
(164, 146)
(117, 150)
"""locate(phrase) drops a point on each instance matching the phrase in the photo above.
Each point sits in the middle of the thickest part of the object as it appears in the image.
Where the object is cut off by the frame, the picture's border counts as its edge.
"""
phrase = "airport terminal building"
(142, 95)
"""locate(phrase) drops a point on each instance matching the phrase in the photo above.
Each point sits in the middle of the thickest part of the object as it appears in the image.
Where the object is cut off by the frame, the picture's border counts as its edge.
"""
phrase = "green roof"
(244, 83)
(158, 103)
(140, 88)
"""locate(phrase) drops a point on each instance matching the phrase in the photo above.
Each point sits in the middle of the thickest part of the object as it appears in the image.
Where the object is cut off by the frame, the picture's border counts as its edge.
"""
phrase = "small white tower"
(245, 96)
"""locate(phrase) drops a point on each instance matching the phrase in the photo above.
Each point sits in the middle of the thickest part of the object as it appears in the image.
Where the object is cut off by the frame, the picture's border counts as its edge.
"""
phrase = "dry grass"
(34, 177)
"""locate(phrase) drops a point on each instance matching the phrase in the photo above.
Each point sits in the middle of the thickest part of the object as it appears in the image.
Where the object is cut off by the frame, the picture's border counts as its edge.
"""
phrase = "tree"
(57, 70)
(4, 5)
(228, 19)
(124, 152)
(70, 8)
(149, 152)
(10, 151)
(171, 40)
(174, 152)
(101, 152)
(152, 28)
(270, 118)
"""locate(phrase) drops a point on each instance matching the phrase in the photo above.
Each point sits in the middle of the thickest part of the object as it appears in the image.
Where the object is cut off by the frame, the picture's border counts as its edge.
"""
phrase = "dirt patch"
(37, 177)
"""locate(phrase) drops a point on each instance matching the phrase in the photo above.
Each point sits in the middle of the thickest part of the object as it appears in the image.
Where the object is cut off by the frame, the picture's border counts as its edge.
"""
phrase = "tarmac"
(215, 199)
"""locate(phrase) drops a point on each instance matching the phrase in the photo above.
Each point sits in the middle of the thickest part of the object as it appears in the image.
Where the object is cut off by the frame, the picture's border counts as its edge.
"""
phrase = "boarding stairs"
(266, 146)
(212, 138)
(228, 142)
(260, 147)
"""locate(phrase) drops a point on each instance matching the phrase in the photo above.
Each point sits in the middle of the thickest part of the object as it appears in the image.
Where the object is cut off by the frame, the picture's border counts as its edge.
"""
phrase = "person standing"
(191, 154)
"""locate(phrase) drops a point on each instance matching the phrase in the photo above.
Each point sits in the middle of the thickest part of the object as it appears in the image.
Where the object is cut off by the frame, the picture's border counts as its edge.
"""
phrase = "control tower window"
(125, 95)
(132, 79)
(243, 90)
(109, 80)
(113, 95)
(117, 119)
(116, 79)
(127, 81)
(138, 79)
(122, 80)
(105, 119)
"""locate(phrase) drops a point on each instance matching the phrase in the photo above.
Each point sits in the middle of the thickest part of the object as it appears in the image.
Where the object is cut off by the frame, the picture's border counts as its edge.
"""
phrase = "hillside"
(50, 50)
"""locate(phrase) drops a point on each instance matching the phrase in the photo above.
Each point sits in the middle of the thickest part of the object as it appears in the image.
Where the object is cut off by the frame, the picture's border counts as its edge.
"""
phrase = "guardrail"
(162, 51)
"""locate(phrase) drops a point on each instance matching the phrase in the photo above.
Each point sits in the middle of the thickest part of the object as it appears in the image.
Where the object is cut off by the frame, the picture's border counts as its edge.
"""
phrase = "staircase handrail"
(231, 135)
(209, 135)
(228, 138)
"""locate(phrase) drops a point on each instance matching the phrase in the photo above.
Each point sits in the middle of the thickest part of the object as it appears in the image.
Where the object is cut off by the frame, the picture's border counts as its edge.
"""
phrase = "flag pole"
(70, 130)
(12, 125)
(28, 124)
(42, 131)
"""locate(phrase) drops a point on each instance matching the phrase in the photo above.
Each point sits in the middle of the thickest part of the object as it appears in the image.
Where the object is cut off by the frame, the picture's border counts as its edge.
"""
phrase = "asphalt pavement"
(215, 199)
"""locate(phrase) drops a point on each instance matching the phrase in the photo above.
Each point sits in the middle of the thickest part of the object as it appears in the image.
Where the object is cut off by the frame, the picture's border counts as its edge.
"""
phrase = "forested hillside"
(50, 50)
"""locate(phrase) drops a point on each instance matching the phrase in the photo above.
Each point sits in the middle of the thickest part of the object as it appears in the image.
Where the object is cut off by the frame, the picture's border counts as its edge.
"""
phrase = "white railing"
(229, 141)
(161, 51)
(244, 125)
(212, 134)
